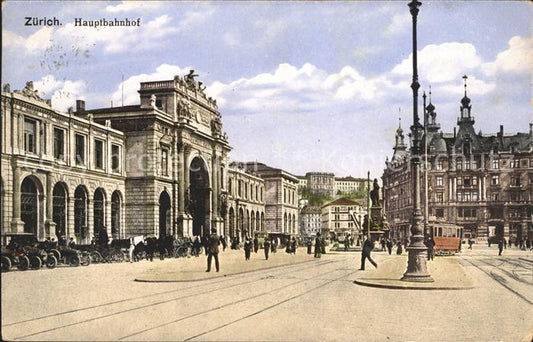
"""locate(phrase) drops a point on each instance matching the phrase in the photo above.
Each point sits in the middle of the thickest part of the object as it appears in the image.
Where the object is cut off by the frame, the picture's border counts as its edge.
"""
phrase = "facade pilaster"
(49, 224)
(17, 225)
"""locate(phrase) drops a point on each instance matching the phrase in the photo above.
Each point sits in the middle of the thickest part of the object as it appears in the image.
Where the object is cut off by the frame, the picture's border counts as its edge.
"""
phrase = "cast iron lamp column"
(416, 266)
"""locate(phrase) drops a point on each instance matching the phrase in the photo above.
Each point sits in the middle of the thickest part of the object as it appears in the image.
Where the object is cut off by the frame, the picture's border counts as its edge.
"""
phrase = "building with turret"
(478, 186)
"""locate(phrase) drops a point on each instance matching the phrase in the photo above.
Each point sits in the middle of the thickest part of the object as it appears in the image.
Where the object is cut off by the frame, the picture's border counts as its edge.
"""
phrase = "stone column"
(181, 179)
(480, 193)
(454, 192)
(49, 224)
(17, 225)
(484, 186)
(214, 190)
(107, 216)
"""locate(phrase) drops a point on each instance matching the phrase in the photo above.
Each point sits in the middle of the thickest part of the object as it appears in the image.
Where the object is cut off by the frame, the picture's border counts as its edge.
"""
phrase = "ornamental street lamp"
(417, 251)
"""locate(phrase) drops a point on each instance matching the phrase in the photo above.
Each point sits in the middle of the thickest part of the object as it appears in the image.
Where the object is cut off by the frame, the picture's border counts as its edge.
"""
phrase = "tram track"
(511, 273)
(257, 312)
(499, 279)
(209, 282)
(258, 277)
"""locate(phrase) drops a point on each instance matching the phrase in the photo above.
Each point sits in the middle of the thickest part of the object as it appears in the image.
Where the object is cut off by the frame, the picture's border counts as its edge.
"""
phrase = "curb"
(410, 287)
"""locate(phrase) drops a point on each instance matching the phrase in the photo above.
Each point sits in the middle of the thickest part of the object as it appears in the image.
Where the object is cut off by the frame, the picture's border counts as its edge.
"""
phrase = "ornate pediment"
(31, 93)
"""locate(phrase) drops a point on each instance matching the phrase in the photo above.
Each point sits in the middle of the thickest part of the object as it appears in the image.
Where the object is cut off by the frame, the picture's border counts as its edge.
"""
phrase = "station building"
(62, 174)
(245, 213)
(281, 198)
(157, 168)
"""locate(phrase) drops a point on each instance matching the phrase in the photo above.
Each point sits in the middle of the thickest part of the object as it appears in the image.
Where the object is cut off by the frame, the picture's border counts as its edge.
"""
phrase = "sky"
(302, 86)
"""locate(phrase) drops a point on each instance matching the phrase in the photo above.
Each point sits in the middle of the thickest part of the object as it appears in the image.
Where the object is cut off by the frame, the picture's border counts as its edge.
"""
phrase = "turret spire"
(465, 78)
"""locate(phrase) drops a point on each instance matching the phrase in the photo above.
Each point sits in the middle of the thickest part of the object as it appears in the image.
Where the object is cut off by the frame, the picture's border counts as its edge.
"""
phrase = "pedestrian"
(161, 247)
(224, 242)
(323, 245)
(256, 244)
(205, 242)
(470, 243)
(213, 241)
(318, 248)
(399, 249)
(293, 245)
(309, 246)
(266, 247)
(505, 243)
(274, 245)
(247, 248)
(383, 244)
(71, 243)
(389, 246)
(368, 245)
(500, 246)
(131, 249)
(430, 243)
(196, 246)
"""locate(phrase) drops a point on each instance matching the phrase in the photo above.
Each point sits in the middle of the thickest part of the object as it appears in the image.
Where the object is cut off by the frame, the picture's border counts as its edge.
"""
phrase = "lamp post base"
(416, 267)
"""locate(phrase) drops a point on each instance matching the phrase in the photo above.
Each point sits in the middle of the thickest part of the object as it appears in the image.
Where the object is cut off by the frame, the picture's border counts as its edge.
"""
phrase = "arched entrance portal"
(164, 213)
(80, 213)
(29, 212)
(98, 211)
(199, 196)
(231, 218)
(59, 213)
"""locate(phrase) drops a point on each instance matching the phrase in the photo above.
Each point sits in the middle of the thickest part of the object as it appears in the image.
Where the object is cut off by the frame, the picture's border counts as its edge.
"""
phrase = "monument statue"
(374, 194)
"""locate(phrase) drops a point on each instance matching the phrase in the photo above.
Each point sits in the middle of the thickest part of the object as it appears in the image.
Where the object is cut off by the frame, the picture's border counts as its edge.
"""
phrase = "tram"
(447, 237)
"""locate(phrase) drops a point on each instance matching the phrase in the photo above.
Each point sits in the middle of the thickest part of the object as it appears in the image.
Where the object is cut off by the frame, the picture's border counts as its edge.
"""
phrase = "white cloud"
(63, 93)
(400, 23)
(33, 44)
(132, 84)
(442, 63)
(517, 59)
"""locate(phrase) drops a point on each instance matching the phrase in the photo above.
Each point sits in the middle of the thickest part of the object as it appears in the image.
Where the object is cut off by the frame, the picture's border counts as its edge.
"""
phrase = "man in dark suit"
(213, 241)
(368, 246)
(266, 247)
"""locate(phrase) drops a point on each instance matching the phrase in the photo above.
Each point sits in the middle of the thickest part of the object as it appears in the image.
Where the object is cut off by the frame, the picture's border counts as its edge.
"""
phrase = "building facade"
(337, 217)
(62, 175)
(281, 198)
(349, 185)
(245, 213)
(176, 158)
(482, 184)
(310, 220)
(157, 168)
(321, 183)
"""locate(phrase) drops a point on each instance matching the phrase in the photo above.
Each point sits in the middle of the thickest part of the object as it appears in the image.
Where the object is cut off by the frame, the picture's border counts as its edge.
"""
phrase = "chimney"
(80, 106)
(454, 132)
(531, 129)
(501, 131)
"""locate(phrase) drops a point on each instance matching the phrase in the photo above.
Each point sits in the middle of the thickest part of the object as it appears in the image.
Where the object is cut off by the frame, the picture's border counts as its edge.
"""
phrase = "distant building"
(246, 203)
(321, 183)
(348, 185)
(337, 220)
(310, 220)
(480, 183)
(281, 198)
